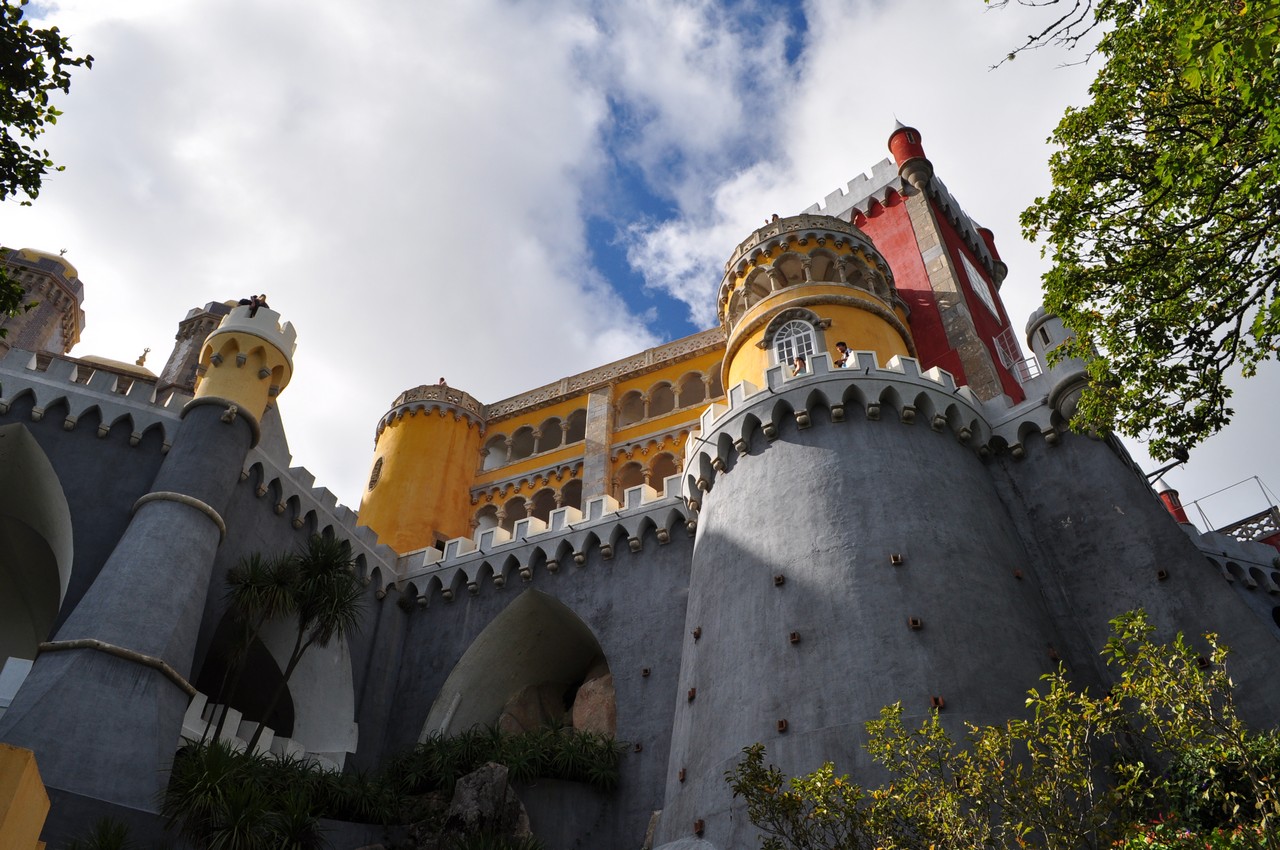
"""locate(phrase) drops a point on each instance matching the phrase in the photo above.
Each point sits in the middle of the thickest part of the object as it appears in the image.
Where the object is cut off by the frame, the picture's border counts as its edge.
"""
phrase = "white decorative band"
(183, 499)
(157, 664)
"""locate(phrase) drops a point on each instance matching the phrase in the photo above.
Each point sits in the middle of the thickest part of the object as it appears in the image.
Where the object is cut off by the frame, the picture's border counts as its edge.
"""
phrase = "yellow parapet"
(24, 804)
(248, 360)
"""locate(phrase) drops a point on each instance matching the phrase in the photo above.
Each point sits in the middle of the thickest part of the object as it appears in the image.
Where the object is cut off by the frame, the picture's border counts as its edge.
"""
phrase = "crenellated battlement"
(265, 325)
(121, 399)
(899, 390)
(861, 191)
(131, 402)
(294, 497)
(494, 557)
(867, 191)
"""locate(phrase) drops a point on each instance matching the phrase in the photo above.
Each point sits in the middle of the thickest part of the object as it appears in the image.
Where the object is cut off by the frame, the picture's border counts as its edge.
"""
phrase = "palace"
(746, 535)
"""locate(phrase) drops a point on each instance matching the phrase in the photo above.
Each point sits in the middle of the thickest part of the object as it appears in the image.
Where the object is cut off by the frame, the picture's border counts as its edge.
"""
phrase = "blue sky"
(507, 191)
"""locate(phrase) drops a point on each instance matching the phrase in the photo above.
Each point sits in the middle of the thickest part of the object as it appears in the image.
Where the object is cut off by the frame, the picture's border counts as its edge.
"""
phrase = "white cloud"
(410, 182)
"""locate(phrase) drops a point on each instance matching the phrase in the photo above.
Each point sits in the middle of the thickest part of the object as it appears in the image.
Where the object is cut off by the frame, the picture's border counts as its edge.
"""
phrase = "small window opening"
(793, 339)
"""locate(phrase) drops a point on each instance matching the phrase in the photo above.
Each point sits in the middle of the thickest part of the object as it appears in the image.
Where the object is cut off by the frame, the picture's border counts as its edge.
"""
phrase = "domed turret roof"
(118, 366)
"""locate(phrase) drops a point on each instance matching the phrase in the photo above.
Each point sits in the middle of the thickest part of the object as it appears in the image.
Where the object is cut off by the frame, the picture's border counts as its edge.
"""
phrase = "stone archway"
(534, 654)
(317, 709)
(35, 546)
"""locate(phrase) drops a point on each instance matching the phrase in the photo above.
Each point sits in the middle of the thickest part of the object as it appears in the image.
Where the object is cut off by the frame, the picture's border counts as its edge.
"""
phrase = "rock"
(533, 707)
(484, 801)
(595, 708)
(652, 830)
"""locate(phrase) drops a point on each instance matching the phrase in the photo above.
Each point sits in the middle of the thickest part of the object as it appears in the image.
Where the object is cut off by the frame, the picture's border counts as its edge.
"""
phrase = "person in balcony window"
(843, 360)
(799, 366)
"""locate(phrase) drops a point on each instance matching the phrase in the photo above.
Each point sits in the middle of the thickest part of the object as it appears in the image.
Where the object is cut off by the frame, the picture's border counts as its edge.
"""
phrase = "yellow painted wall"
(242, 384)
(562, 455)
(671, 373)
(428, 464)
(683, 417)
(862, 330)
(508, 425)
(24, 803)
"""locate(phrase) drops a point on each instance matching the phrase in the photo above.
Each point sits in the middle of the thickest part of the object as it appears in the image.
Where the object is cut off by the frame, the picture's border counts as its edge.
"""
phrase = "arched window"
(631, 475)
(495, 453)
(792, 339)
(577, 427)
(487, 517)
(522, 442)
(662, 400)
(550, 435)
(571, 494)
(514, 509)
(544, 502)
(716, 389)
(663, 466)
(630, 409)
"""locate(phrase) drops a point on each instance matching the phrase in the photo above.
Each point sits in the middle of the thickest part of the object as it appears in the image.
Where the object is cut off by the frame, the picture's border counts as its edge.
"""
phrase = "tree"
(317, 587)
(1165, 204)
(33, 63)
(326, 604)
(1079, 771)
(259, 589)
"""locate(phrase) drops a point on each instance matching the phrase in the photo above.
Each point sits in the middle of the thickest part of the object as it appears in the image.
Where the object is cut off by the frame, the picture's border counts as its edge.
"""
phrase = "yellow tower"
(425, 458)
(246, 362)
(799, 285)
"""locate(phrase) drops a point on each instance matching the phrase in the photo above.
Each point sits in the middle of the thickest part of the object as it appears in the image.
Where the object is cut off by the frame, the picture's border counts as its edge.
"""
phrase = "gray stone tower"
(117, 673)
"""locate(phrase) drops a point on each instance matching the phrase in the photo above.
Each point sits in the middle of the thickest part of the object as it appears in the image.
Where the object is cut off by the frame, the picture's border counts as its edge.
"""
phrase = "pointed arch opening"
(35, 551)
(532, 665)
(318, 706)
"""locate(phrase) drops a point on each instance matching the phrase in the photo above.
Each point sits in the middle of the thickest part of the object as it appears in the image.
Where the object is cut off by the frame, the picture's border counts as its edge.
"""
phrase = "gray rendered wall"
(634, 604)
(826, 507)
(1100, 536)
(102, 726)
(101, 477)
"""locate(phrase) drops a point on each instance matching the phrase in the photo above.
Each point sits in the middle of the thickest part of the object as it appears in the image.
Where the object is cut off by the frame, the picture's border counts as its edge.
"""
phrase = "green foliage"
(491, 842)
(1165, 202)
(107, 834)
(1206, 783)
(1078, 771)
(33, 63)
(1170, 834)
(817, 810)
(438, 762)
(220, 798)
(316, 586)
